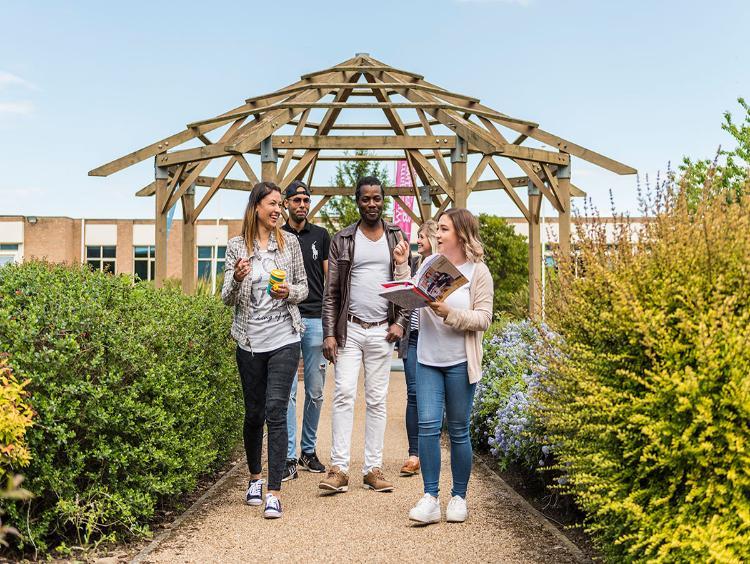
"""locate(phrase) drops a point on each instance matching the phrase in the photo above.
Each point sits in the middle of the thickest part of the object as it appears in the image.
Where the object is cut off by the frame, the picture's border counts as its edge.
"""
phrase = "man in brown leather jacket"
(359, 325)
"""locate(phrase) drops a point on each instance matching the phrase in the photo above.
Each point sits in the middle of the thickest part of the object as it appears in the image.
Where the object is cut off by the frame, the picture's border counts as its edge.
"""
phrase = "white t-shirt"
(371, 266)
(440, 344)
(270, 325)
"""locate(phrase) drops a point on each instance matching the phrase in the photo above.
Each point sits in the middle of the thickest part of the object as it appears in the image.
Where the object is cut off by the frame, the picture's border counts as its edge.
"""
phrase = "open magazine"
(437, 279)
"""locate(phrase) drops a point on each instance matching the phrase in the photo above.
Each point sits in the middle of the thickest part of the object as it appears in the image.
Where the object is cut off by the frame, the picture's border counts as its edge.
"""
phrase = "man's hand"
(280, 291)
(241, 269)
(441, 309)
(395, 332)
(330, 349)
(401, 250)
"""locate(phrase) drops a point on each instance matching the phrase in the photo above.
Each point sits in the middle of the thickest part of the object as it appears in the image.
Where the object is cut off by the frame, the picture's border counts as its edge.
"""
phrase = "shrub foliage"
(135, 391)
(649, 406)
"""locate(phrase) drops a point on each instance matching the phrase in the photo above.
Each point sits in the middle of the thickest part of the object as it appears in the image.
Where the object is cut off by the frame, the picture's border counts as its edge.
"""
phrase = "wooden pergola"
(433, 129)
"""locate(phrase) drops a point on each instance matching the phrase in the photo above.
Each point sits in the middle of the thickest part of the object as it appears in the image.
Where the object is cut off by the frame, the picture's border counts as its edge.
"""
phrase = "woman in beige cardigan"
(449, 354)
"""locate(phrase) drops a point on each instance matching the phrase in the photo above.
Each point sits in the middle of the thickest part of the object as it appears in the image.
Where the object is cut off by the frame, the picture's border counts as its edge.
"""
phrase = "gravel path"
(361, 525)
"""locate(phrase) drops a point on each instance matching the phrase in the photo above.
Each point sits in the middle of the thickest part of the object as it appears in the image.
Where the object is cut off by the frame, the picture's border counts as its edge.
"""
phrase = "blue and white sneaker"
(273, 507)
(254, 494)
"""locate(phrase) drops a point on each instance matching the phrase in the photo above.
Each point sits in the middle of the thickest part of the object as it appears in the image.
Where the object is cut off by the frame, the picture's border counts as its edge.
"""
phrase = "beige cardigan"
(476, 320)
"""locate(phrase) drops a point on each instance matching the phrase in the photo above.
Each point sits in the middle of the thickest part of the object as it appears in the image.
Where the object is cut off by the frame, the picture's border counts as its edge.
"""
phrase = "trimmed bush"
(136, 395)
(650, 408)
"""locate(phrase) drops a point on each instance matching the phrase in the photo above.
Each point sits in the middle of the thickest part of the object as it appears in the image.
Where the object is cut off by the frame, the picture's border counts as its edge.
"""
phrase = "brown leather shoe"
(375, 480)
(335, 482)
(410, 468)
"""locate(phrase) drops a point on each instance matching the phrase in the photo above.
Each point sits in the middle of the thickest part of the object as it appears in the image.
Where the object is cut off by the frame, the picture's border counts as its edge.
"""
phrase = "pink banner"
(400, 217)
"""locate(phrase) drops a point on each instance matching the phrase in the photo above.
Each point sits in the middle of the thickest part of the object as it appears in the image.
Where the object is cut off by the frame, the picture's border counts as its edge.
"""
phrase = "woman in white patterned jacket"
(267, 327)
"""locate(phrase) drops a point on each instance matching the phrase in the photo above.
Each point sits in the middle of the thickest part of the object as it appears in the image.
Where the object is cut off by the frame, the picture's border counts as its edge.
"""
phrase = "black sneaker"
(290, 470)
(309, 461)
(254, 494)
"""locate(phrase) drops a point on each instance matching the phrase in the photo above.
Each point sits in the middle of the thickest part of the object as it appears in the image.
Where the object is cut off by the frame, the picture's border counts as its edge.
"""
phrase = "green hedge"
(649, 405)
(135, 392)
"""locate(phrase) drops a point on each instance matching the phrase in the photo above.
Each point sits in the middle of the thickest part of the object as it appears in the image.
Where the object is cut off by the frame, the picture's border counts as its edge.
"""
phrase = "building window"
(8, 253)
(211, 264)
(144, 262)
(101, 258)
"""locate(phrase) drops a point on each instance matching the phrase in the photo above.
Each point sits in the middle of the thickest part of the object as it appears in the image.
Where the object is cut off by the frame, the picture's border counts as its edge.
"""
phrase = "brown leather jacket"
(336, 296)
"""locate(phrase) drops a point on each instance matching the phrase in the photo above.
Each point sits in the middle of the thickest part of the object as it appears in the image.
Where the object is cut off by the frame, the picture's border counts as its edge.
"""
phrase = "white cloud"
(24, 107)
(9, 79)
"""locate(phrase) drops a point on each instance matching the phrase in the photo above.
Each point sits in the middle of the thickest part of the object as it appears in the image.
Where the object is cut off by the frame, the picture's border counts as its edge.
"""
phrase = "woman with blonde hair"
(449, 364)
(267, 326)
(407, 350)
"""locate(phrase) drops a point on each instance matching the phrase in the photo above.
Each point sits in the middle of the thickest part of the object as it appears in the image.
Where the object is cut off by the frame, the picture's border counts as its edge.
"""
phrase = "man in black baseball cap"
(314, 242)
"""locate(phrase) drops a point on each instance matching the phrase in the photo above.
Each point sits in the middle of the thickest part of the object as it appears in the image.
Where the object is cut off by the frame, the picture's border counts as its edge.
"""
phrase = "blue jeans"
(410, 371)
(444, 388)
(315, 372)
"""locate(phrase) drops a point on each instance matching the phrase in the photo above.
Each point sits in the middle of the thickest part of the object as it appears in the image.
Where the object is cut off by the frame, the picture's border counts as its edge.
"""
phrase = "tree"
(507, 256)
(341, 211)
(728, 174)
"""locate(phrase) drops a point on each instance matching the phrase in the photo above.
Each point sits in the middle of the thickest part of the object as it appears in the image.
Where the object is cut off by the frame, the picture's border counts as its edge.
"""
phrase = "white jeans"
(370, 345)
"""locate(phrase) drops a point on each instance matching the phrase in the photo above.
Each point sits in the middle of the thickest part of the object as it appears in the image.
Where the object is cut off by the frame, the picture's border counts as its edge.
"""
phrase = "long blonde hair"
(467, 229)
(430, 229)
(250, 221)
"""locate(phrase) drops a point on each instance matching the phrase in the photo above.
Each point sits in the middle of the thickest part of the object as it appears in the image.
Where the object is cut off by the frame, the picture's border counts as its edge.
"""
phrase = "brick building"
(126, 246)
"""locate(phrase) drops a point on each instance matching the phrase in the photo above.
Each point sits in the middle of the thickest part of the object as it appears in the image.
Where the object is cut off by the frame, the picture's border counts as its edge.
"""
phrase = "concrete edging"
(535, 513)
(189, 512)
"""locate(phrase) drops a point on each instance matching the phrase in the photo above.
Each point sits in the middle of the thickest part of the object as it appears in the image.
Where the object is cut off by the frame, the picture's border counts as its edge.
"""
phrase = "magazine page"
(439, 278)
(436, 279)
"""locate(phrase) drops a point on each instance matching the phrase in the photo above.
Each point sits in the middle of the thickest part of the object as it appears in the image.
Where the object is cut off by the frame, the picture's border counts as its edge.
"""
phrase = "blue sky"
(644, 82)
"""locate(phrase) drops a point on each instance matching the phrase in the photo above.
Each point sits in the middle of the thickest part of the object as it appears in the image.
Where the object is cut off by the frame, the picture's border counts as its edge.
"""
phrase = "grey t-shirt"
(371, 266)
(270, 325)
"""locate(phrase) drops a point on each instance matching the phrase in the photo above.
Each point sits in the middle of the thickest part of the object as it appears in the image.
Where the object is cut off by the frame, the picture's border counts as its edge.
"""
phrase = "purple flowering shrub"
(503, 418)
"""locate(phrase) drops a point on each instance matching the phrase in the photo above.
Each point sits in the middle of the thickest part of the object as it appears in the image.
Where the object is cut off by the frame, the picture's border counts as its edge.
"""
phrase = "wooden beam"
(359, 69)
(429, 169)
(366, 142)
(534, 132)
(524, 166)
(247, 169)
(477, 173)
(443, 206)
(415, 218)
(535, 258)
(188, 243)
(160, 228)
(297, 131)
(319, 206)
(214, 186)
(509, 189)
(426, 125)
(275, 119)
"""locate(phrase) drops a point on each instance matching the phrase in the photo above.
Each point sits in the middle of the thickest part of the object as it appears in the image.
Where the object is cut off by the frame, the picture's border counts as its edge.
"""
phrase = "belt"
(365, 324)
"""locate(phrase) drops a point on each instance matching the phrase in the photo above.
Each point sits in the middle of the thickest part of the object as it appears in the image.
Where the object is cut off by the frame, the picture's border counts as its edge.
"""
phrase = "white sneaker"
(426, 511)
(272, 509)
(456, 511)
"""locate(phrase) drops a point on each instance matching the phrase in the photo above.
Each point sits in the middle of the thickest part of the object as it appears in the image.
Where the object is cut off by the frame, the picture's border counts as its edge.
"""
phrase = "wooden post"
(188, 242)
(425, 203)
(458, 173)
(268, 160)
(563, 186)
(535, 253)
(160, 224)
